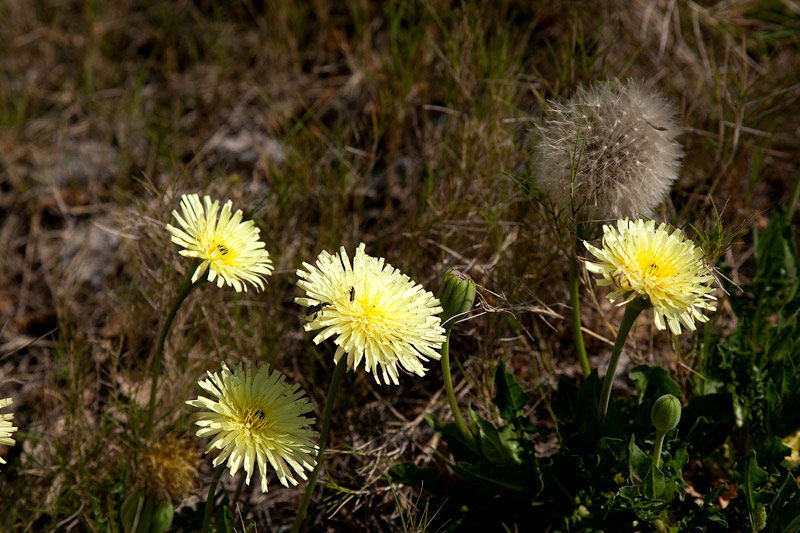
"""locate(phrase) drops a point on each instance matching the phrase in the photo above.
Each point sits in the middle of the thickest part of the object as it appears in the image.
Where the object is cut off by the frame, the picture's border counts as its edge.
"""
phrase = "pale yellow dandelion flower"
(229, 249)
(6, 427)
(257, 417)
(662, 267)
(376, 313)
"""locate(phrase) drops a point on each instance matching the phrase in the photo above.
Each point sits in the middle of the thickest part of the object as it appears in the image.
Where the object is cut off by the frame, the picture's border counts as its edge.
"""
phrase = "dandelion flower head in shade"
(6, 427)
(651, 262)
(376, 313)
(229, 249)
(255, 417)
(619, 143)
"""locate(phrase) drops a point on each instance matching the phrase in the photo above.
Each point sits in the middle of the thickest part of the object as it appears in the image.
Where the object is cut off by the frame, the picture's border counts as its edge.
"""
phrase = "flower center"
(368, 311)
(257, 420)
(220, 251)
(653, 264)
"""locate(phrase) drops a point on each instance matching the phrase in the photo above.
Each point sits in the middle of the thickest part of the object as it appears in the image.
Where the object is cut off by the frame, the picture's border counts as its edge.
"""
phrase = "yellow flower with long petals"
(257, 417)
(6, 427)
(230, 249)
(376, 313)
(663, 267)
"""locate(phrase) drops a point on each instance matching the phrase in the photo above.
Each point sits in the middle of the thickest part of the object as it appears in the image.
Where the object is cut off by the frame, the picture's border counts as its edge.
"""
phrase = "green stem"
(448, 387)
(238, 492)
(657, 446)
(210, 500)
(341, 366)
(183, 292)
(793, 199)
(574, 301)
(632, 310)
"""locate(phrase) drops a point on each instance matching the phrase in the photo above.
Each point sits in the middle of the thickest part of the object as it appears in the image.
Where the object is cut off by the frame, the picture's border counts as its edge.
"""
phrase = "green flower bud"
(457, 294)
(162, 517)
(666, 413)
(759, 517)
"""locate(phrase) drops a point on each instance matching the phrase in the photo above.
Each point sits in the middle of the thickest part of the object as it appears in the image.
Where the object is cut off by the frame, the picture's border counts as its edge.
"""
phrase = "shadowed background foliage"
(405, 125)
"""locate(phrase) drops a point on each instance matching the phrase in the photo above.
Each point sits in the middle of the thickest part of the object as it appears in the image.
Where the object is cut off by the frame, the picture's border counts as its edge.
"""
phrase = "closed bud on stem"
(666, 413)
(456, 295)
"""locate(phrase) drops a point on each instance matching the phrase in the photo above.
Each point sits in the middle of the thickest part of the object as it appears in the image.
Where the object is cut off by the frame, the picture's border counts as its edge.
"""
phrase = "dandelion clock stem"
(184, 291)
(632, 311)
(210, 500)
(341, 366)
(574, 300)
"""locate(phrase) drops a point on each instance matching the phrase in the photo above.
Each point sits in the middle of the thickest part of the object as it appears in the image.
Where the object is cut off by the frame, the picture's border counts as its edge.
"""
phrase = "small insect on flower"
(229, 249)
(663, 267)
(257, 417)
(314, 310)
(393, 323)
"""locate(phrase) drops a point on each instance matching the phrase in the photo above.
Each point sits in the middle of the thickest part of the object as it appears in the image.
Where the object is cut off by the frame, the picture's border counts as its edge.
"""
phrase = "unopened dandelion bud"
(457, 294)
(162, 517)
(759, 517)
(666, 413)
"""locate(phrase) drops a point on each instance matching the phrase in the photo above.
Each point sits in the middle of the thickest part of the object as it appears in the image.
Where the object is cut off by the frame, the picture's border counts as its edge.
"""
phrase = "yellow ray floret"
(257, 417)
(375, 313)
(6, 427)
(651, 262)
(229, 249)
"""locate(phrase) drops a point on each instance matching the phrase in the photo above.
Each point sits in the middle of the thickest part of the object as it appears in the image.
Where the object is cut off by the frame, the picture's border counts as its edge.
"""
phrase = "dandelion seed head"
(620, 142)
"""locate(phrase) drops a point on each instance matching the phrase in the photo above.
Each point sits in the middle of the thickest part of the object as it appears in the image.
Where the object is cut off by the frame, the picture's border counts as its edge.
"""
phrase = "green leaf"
(707, 422)
(751, 477)
(225, 522)
(784, 509)
(654, 484)
(413, 475)
(509, 397)
(638, 462)
(566, 402)
(495, 447)
(461, 448)
(652, 382)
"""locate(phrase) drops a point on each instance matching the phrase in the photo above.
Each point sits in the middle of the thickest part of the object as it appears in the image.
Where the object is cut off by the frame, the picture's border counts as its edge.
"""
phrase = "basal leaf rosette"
(255, 417)
(658, 265)
(228, 248)
(375, 313)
